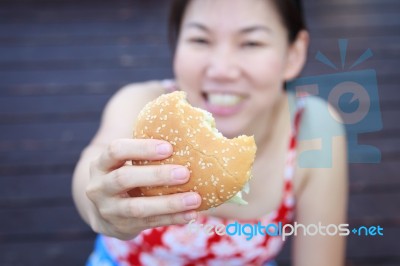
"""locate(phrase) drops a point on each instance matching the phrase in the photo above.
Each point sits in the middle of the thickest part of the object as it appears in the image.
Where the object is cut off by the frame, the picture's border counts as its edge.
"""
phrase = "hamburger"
(220, 168)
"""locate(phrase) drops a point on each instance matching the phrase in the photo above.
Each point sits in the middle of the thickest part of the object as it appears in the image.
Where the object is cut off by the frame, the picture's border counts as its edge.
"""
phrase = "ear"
(297, 55)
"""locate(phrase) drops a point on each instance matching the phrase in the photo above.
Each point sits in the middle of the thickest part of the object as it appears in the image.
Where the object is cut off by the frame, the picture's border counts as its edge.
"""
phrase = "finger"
(129, 177)
(169, 219)
(142, 207)
(126, 226)
(122, 150)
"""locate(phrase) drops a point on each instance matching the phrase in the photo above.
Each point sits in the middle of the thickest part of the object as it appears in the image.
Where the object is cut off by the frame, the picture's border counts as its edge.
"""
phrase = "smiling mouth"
(222, 99)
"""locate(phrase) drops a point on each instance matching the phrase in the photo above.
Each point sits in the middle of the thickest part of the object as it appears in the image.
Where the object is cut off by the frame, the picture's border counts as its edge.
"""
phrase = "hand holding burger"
(219, 167)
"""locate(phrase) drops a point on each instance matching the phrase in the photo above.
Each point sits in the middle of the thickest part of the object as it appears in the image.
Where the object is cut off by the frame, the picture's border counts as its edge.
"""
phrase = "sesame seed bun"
(219, 167)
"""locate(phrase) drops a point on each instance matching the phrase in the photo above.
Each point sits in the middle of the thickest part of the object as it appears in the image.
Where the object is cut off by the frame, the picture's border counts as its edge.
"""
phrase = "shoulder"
(120, 112)
(135, 96)
(323, 197)
(148, 89)
(320, 119)
(322, 147)
(321, 126)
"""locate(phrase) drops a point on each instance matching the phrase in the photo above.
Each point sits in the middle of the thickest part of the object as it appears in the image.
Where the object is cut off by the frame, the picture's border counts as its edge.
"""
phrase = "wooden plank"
(65, 40)
(81, 13)
(373, 208)
(120, 62)
(52, 104)
(387, 145)
(85, 116)
(353, 20)
(91, 88)
(327, 3)
(351, 32)
(375, 178)
(318, 9)
(74, 4)
(74, 77)
(92, 52)
(385, 172)
(18, 190)
(27, 222)
(80, 29)
(52, 131)
(18, 170)
(44, 145)
(38, 158)
(49, 253)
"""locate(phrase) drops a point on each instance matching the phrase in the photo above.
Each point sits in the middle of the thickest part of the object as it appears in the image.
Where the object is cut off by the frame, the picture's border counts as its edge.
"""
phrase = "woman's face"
(231, 59)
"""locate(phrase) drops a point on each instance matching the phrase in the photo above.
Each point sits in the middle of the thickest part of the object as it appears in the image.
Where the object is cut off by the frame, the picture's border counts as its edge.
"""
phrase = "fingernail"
(189, 216)
(180, 173)
(191, 200)
(164, 149)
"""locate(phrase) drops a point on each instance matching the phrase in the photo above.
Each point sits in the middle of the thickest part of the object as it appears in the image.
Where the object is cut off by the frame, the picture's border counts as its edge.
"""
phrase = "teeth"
(223, 99)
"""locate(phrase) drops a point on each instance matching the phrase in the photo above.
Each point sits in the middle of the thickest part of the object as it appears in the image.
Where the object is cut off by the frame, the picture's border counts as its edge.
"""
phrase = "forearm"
(80, 180)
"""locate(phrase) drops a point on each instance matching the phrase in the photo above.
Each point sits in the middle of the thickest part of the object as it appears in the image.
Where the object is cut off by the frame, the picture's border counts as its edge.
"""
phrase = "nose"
(222, 65)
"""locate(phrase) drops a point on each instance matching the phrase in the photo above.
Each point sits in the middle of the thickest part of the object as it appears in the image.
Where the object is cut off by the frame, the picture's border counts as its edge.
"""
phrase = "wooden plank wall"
(61, 60)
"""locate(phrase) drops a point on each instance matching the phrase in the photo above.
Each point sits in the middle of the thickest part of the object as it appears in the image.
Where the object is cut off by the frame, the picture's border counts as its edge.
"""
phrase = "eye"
(252, 44)
(202, 41)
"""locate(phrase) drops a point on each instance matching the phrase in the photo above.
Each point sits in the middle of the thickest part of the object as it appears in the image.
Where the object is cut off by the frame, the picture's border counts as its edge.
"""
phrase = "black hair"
(290, 11)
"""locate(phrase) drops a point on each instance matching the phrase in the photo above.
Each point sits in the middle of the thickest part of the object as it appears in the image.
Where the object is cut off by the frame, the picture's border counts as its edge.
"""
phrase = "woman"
(232, 57)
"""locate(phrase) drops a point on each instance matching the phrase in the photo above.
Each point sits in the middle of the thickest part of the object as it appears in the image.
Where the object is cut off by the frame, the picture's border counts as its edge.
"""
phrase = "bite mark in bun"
(219, 167)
